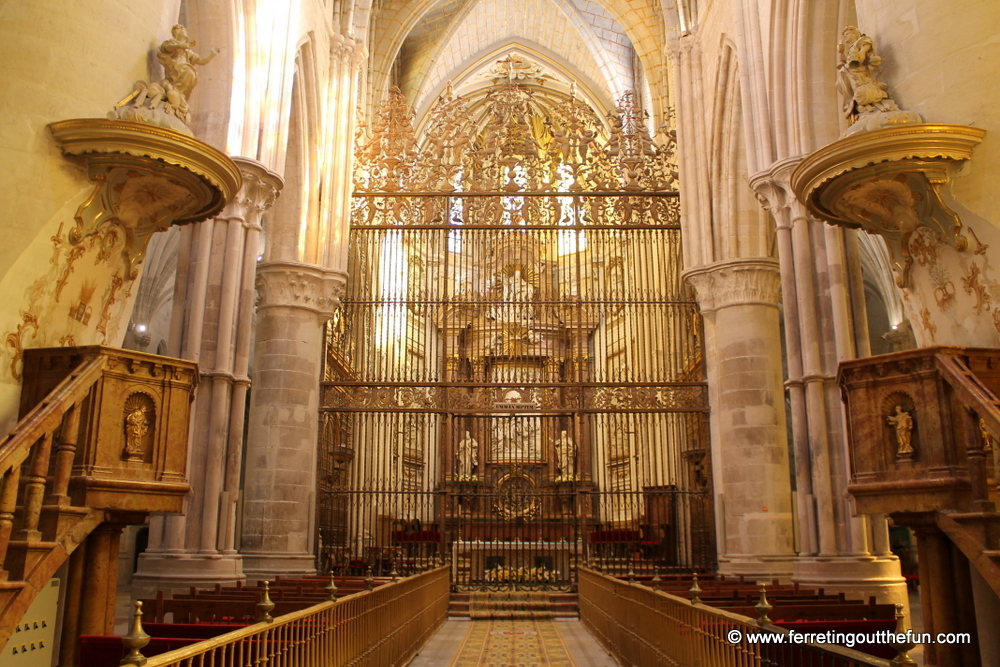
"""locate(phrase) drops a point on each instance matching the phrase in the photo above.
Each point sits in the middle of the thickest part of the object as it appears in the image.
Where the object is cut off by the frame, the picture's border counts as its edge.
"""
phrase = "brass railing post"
(135, 640)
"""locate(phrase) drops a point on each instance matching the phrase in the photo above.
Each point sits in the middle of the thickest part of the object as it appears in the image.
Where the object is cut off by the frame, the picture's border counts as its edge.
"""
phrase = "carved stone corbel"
(888, 182)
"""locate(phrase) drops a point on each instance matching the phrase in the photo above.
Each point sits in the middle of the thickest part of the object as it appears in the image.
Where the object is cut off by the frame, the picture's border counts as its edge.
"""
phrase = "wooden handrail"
(970, 390)
(33, 436)
(47, 416)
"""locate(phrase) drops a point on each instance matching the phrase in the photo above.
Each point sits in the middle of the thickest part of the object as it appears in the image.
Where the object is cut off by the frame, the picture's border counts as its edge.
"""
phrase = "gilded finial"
(695, 590)
(135, 640)
(903, 648)
(763, 608)
(331, 589)
(265, 606)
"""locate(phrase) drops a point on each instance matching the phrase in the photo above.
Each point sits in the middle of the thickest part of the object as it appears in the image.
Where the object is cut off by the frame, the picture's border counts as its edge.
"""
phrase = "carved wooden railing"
(384, 627)
(641, 626)
(32, 440)
(70, 464)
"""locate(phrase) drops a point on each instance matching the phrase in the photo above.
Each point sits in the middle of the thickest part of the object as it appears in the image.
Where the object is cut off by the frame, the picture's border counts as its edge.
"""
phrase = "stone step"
(513, 604)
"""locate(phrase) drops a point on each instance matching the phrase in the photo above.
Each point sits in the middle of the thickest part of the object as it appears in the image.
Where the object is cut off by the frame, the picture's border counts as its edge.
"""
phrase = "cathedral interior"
(497, 311)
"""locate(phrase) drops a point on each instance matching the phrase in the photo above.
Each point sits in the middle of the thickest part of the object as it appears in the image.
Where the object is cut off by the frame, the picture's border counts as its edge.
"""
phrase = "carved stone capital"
(349, 50)
(304, 286)
(737, 282)
(261, 188)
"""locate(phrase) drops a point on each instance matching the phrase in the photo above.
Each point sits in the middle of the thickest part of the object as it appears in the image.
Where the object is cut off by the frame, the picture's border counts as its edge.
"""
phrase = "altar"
(485, 560)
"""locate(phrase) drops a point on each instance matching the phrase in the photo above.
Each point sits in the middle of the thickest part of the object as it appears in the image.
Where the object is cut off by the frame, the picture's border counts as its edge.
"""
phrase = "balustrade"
(642, 626)
(379, 628)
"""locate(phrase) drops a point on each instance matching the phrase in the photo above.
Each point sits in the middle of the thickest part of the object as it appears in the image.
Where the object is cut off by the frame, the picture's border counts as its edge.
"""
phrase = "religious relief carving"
(467, 458)
(517, 496)
(165, 102)
(516, 438)
(866, 102)
(138, 419)
(515, 68)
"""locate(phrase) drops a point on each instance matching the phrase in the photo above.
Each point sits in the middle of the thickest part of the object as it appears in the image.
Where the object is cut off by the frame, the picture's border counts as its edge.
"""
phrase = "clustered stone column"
(213, 317)
(825, 323)
(739, 301)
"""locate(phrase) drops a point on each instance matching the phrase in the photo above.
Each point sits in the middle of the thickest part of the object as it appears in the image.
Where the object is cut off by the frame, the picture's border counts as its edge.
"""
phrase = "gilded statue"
(866, 101)
(165, 102)
(565, 455)
(902, 423)
(468, 457)
(136, 427)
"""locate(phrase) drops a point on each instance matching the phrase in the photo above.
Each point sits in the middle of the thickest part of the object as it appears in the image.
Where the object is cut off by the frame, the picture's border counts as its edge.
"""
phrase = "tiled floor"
(443, 648)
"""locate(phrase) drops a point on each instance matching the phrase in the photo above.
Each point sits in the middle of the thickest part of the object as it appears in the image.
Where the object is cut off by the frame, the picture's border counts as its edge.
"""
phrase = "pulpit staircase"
(59, 482)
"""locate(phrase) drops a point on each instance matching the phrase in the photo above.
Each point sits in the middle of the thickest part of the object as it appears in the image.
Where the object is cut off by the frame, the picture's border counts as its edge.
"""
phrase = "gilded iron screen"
(515, 378)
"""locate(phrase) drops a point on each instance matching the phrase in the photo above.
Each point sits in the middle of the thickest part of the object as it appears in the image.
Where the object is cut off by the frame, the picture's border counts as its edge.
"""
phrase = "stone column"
(280, 478)
(837, 552)
(214, 317)
(739, 301)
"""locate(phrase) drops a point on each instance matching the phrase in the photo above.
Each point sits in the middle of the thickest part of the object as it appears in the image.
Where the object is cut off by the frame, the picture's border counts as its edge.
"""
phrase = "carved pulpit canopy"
(148, 171)
(884, 175)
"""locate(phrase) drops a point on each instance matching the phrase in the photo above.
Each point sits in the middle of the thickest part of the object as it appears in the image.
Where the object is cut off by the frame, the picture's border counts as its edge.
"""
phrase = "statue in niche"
(565, 456)
(468, 457)
(165, 102)
(136, 427)
(866, 101)
(902, 423)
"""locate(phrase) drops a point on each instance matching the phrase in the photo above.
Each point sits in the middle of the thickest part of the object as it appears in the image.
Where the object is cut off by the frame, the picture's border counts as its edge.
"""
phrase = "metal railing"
(640, 626)
(379, 628)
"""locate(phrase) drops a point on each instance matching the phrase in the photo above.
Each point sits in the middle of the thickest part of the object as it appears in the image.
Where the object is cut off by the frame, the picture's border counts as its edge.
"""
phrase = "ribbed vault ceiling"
(450, 39)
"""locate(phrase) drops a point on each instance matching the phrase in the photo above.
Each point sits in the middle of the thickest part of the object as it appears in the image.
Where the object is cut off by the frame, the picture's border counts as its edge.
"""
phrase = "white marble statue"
(866, 100)
(165, 102)
(565, 456)
(468, 457)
